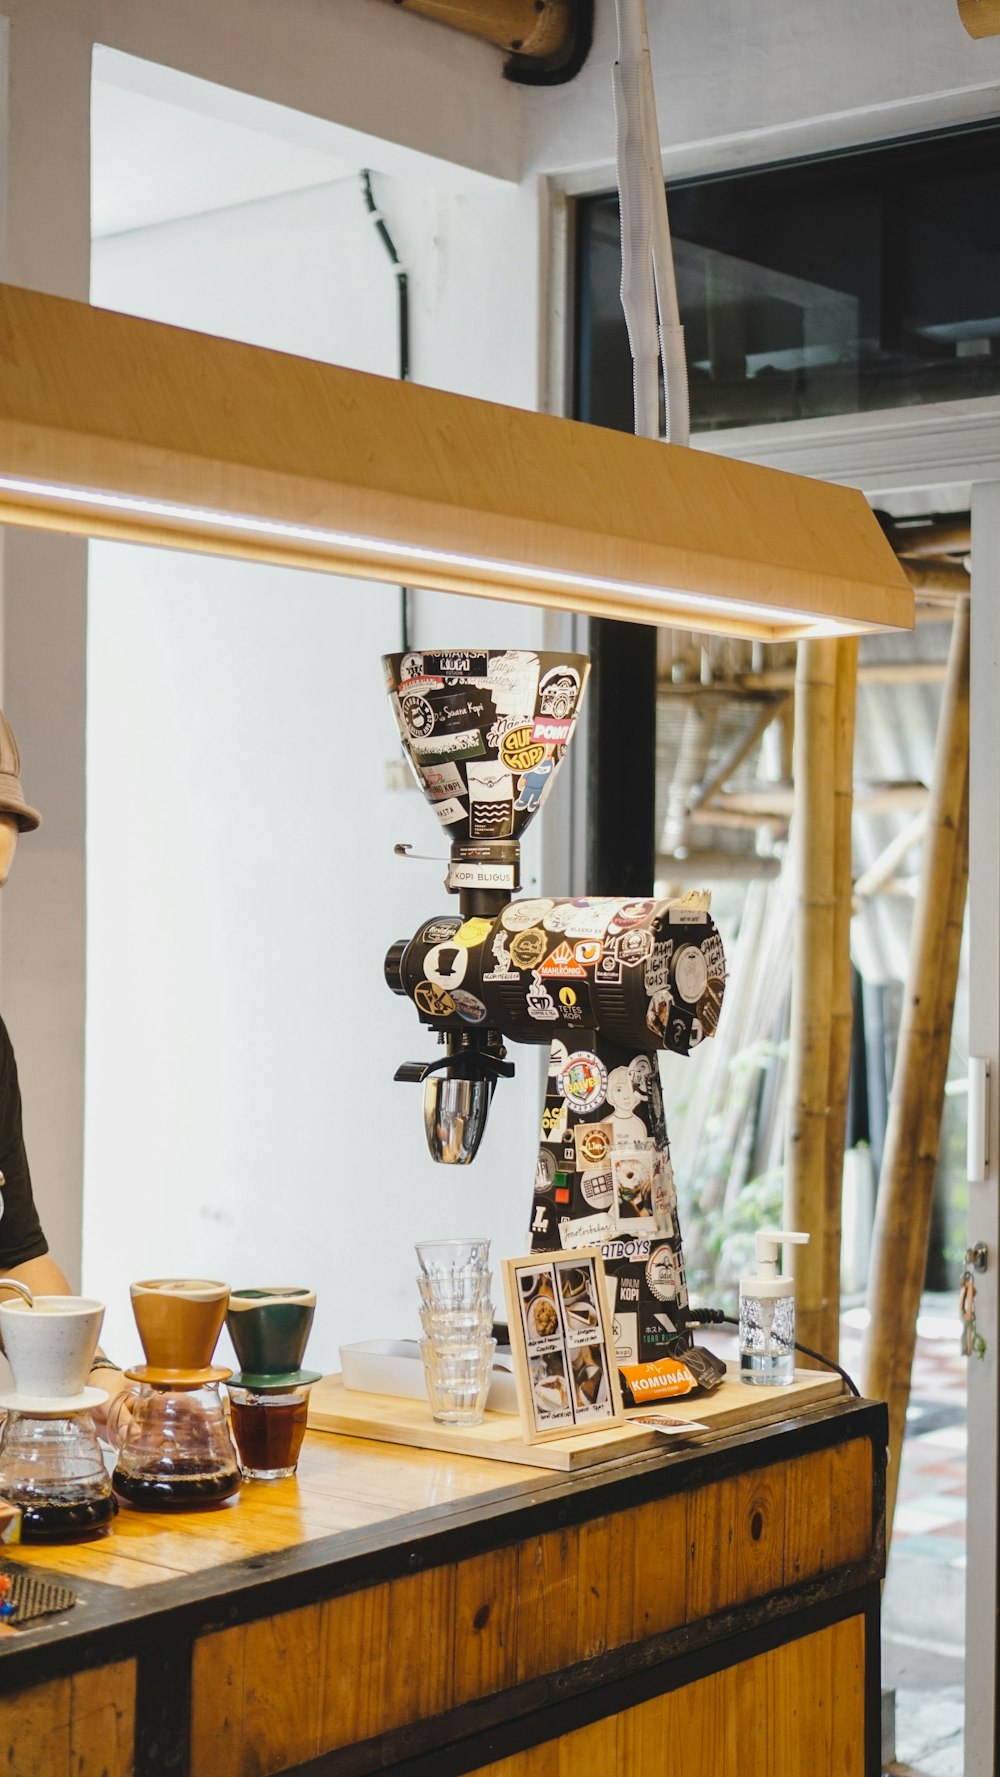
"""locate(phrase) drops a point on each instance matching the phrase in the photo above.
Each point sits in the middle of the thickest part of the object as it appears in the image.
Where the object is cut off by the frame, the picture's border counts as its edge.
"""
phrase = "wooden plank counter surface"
(412, 1610)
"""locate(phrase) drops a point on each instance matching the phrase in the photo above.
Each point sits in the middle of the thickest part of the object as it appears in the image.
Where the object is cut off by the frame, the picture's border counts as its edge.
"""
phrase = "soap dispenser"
(767, 1313)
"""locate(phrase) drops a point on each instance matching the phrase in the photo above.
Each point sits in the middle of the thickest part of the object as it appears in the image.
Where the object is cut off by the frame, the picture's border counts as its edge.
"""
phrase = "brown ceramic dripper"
(179, 1321)
(174, 1447)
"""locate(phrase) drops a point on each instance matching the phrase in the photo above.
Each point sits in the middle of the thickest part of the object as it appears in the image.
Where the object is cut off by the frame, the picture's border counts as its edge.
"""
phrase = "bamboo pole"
(841, 1000)
(902, 1219)
(812, 842)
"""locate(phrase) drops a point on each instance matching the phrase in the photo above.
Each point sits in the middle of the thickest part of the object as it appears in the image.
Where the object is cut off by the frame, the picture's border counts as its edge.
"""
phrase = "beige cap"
(11, 794)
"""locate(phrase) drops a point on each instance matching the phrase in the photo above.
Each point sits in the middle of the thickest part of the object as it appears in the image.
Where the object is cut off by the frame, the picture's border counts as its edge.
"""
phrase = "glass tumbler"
(464, 1293)
(443, 1258)
(268, 1428)
(457, 1325)
(458, 1379)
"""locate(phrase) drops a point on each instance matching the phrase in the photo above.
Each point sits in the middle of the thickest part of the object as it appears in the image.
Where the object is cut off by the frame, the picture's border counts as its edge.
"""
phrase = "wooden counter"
(711, 1611)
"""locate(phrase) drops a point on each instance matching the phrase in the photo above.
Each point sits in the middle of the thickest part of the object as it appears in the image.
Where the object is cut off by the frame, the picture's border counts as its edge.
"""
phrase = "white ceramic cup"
(51, 1346)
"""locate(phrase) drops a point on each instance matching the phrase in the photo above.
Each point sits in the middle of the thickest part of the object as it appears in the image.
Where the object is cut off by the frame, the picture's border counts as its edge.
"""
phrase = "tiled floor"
(923, 1608)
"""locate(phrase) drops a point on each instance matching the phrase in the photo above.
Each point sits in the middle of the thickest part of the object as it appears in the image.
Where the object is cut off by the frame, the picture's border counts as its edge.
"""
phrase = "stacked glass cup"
(457, 1317)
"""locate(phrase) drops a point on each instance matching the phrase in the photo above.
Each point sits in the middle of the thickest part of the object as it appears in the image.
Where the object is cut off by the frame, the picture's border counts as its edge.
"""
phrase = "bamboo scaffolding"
(876, 672)
(884, 867)
(841, 1000)
(734, 757)
(902, 1220)
(812, 840)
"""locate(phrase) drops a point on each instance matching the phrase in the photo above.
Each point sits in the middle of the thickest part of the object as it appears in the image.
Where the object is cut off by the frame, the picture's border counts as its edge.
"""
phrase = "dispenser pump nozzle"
(768, 1243)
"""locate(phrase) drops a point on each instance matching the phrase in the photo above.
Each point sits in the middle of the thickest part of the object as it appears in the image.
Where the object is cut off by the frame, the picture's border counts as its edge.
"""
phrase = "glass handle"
(120, 1415)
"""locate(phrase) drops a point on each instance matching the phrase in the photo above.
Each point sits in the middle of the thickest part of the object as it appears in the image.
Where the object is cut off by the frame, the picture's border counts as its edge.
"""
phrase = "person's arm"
(42, 1276)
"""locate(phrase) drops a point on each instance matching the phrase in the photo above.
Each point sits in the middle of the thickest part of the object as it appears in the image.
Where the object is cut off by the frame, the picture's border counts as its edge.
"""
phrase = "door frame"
(953, 449)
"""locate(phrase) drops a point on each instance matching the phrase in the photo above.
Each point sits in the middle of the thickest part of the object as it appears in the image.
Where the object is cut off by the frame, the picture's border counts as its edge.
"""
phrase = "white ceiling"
(155, 159)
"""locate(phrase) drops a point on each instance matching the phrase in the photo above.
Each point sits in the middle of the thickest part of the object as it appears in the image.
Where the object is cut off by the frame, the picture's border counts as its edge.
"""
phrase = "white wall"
(738, 83)
(242, 1119)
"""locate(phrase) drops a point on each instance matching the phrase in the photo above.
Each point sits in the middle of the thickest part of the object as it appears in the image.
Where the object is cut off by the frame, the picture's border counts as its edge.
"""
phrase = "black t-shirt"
(21, 1236)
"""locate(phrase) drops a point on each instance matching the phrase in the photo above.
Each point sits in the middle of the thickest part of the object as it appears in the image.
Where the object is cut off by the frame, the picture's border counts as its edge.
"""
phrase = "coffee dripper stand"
(174, 1444)
(51, 1466)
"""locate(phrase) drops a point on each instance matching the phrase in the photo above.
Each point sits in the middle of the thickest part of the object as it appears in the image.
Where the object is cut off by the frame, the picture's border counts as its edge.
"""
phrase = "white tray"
(393, 1366)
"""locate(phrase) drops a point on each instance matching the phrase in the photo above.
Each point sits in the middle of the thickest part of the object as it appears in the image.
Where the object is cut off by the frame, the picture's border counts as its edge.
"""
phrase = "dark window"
(857, 281)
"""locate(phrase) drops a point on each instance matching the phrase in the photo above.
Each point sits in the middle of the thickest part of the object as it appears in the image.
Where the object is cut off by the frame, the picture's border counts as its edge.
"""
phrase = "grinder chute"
(485, 732)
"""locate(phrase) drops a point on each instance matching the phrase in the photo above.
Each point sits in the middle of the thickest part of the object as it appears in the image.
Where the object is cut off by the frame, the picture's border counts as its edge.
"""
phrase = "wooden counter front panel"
(83, 1726)
(270, 1694)
(799, 1709)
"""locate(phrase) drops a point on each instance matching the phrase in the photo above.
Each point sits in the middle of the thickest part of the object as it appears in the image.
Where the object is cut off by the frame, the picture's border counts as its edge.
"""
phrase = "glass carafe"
(51, 1466)
(174, 1447)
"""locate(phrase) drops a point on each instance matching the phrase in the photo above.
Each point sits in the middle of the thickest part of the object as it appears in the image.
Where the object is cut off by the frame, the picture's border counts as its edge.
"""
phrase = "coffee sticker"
(628, 914)
(432, 1000)
(690, 974)
(442, 781)
(445, 965)
(513, 682)
(540, 1004)
(489, 782)
(590, 919)
(528, 948)
(519, 752)
(472, 932)
(632, 1177)
(561, 965)
(440, 748)
(439, 931)
(585, 1231)
(558, 691)
(449, 811)
(593, 1144)
(583, 1081)
(521, 914)
(552, 733)
(597, 1188)
(545, 1172)
(663, 1273)
(468, 1007)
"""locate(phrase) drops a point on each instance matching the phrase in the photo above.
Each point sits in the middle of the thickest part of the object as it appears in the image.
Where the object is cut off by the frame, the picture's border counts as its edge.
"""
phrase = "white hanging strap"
(637, 287)
(649, 287)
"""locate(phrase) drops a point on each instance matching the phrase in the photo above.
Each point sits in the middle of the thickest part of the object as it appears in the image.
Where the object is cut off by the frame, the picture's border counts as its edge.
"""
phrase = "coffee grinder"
(607, 983)
(51, 1465)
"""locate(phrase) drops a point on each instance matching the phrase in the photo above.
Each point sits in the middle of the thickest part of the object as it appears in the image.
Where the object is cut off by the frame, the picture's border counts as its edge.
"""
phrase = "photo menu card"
(567, 1377)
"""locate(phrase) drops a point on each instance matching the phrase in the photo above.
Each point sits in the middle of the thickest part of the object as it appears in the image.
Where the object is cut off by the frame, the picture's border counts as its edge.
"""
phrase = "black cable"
(714, 1317)
(403, 314)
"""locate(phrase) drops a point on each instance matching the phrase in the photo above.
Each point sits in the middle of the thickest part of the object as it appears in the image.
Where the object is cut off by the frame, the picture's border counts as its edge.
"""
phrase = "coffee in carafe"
(174, 1447)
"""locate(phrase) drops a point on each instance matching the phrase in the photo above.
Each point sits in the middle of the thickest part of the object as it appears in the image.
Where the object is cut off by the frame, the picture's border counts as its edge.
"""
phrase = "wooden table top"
(342, 1484)
(357, 1513)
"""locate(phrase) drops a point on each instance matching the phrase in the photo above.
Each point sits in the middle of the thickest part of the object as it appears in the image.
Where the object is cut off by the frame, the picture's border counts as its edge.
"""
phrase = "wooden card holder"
(562, 1345)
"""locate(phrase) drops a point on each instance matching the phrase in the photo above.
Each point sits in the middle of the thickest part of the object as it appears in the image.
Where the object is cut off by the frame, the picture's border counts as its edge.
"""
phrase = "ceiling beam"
(981, 18)
(536, 28)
